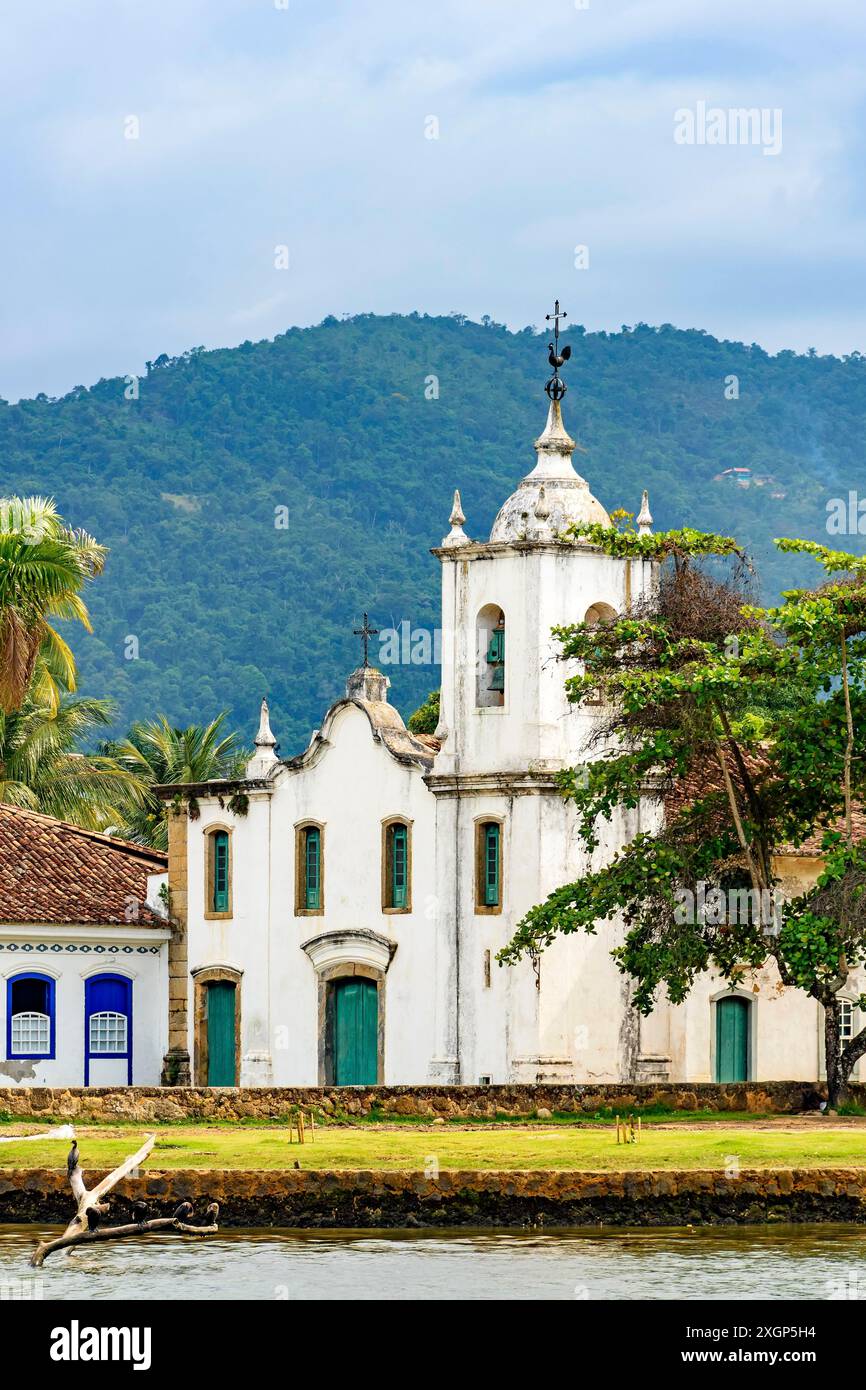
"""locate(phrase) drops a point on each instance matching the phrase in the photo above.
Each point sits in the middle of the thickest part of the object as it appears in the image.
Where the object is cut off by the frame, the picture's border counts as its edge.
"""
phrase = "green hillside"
(185, 485)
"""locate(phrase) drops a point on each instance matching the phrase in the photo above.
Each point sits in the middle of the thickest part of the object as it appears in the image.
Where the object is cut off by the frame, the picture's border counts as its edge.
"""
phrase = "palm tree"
(44, 565)
(157, 754)
(42, 769)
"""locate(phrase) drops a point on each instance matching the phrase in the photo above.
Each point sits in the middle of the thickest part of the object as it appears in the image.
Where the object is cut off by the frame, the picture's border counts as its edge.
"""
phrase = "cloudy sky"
(264, 124)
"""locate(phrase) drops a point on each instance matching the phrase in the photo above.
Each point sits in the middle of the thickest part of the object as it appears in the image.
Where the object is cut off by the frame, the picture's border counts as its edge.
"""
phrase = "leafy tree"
(426, 717)
(157, 754)
(44, 566)
(42, 767)
(746, 726)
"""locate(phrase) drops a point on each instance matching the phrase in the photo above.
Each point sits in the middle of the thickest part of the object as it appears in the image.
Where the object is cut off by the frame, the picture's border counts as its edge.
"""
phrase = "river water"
(794, 1262)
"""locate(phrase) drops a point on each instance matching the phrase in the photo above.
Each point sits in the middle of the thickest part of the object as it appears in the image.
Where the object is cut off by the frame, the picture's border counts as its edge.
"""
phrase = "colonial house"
(83, 956)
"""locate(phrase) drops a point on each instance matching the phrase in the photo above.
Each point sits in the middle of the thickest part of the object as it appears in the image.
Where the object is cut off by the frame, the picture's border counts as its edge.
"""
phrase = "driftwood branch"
(84, 1228)
(136, 1228)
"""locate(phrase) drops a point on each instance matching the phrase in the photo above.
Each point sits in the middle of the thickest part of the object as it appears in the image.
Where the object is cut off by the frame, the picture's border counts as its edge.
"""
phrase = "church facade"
(338, 913)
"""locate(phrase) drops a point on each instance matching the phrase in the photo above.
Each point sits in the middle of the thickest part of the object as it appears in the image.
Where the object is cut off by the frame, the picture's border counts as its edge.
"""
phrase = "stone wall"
(144, 1103)
(319, 1199)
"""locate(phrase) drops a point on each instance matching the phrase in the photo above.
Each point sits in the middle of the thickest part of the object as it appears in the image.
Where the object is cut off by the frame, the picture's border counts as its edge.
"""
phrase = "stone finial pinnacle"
(456, 536)
(644, 518)
(265, 755)
(265, 738)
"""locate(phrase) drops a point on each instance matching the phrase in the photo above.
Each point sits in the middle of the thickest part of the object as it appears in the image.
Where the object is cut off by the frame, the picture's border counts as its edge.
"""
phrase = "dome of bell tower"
(553, 496)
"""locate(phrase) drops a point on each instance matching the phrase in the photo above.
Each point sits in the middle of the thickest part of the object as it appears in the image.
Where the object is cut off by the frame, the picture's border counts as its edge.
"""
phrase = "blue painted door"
(107, 1021)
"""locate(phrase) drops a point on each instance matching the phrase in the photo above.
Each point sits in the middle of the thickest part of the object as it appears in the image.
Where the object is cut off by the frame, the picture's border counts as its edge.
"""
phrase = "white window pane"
(31, 1033)
(107, 1032)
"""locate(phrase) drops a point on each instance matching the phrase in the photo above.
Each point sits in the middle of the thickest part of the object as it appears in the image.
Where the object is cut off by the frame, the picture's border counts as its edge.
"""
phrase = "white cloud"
(306, 127)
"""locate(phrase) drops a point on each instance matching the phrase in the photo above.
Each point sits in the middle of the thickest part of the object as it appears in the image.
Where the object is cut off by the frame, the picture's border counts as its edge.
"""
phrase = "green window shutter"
(312, 868)
(492, 859)
(399, 865)
(220, 870)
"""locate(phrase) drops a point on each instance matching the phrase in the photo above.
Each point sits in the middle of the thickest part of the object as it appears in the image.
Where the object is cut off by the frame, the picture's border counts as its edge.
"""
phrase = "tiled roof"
(811, 846)
(54, 872)
(694, 787)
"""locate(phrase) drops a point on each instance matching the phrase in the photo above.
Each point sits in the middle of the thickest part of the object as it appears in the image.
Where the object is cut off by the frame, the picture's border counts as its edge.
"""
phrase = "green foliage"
(156, 754)
(42, 767)
(332, 423)
(425, 718)
(749, 724)
(44, 566)
(680, 682)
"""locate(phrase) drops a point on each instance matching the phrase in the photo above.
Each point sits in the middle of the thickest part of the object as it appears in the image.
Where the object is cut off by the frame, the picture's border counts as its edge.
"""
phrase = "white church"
(340, 923)
(335, 916)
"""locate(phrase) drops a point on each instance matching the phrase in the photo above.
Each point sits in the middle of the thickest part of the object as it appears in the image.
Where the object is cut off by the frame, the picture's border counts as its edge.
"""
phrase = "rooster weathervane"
(556, 387)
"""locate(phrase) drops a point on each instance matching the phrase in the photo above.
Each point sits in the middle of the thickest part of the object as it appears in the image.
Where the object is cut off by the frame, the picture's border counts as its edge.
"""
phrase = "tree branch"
(79, 1230)
(137, 1228)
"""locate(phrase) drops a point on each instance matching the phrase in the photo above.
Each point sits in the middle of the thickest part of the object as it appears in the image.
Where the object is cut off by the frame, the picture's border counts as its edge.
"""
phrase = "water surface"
(780, 1262)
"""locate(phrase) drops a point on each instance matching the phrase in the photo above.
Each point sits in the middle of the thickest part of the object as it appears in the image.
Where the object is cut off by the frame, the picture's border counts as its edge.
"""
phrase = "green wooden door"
(356, 1027)
(732, 1039)
(221, 1033)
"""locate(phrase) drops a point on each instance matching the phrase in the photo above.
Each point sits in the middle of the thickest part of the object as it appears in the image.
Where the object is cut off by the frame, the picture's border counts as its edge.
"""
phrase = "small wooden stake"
(300, 1126)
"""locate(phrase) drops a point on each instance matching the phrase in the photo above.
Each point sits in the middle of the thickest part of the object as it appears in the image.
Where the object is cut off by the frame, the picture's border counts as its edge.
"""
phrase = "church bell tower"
(504, 836)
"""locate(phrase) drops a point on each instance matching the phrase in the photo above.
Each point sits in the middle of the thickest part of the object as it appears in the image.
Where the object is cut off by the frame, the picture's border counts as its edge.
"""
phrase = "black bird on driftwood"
(72, 1158)
(212, 1212)
(94, 1217)
(184, 1212)
(139, 1210)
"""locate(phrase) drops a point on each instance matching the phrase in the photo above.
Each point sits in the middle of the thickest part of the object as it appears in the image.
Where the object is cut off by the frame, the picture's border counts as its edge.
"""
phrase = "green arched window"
(312, 868)
(219, 871)
(309, 868)
(396, 868)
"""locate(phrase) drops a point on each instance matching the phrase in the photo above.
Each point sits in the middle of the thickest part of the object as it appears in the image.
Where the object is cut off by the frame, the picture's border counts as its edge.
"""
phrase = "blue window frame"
(30, 1017)
(108, 1021)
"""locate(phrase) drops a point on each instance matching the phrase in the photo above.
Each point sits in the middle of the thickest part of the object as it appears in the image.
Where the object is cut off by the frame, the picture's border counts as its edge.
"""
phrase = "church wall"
(349, 788)
(536, 591)
(525, 1025)
(786, 1029)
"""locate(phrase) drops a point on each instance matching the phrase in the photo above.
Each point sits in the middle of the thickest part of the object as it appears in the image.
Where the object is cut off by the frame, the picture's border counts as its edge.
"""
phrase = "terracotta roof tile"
(54, 872)
(811, 846)
(697, 785)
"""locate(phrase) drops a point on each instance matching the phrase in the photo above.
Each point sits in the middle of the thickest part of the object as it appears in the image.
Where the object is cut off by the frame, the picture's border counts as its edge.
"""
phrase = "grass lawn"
(186, 1146)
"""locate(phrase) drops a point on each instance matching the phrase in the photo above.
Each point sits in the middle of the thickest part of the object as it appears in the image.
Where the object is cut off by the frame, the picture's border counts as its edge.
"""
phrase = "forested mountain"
(256, 500)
